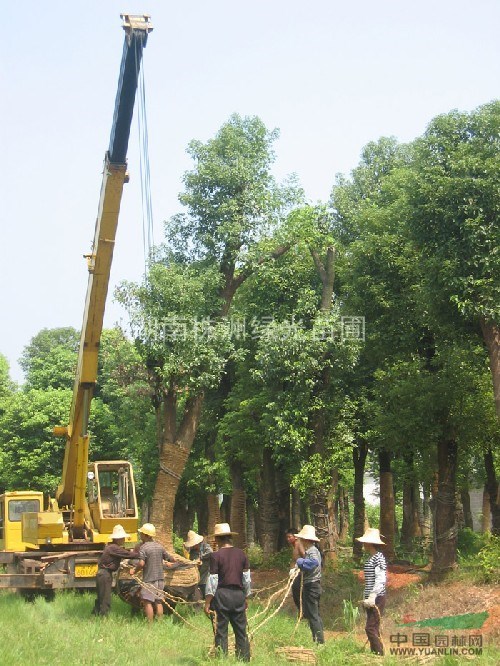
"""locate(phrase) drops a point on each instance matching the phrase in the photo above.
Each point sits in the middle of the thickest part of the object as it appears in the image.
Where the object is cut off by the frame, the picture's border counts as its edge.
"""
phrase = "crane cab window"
(116, 492)
(18, 507)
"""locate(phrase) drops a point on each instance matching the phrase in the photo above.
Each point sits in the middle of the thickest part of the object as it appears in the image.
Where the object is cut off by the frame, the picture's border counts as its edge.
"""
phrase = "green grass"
(63, 632)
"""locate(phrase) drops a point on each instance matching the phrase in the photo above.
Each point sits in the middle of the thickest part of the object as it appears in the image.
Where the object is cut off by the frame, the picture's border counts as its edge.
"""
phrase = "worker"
(109, 561)
(310, 566)
(199, 552)
(228, 587)
(297, 551)
(152, 558)
(375, 570)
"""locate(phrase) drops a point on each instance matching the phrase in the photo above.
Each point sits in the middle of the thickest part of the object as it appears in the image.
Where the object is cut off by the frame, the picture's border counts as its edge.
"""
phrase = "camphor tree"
(234, 209)
(455, 209)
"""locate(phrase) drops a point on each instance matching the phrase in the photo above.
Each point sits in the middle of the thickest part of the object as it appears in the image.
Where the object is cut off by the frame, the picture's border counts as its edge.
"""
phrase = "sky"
(331, 75)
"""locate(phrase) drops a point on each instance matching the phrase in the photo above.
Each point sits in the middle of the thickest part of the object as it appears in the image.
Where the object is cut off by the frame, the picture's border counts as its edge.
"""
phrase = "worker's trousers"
(311, 593)
(229, 604)
(104, 585)
(373, 625)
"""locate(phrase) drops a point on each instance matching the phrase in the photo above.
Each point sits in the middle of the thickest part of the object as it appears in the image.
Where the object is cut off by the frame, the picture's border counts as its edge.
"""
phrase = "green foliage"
(7, 386)
(173, 325)
(30, 455)
(469, 543)
(350, 613)
(232, 200)
(49, 361)
(455, 208)
(488, 560)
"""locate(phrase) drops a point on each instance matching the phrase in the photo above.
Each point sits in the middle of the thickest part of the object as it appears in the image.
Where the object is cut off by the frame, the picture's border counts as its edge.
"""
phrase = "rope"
(161, 594)
(144, 167)
(170, 471)
(275, 612)
(299, 618)
(170, 599)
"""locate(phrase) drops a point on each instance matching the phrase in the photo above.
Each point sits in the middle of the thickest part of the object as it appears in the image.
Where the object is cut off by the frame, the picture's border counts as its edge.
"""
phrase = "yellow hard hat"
(149, 529)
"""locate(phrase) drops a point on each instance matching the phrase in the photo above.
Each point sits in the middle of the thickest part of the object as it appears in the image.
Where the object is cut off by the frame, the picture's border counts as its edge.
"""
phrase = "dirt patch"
(444, 600)
(491, 628)
(397, 577)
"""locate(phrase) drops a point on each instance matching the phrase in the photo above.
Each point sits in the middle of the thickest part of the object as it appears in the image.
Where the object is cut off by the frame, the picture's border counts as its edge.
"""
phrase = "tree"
(7, 386)
(30, 455)
(49, 361)
(455, 206)
(233, 208)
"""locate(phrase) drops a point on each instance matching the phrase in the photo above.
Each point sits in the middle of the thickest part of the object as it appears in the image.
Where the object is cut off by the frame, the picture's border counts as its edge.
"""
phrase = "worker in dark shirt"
(227, 589)
(109, 561)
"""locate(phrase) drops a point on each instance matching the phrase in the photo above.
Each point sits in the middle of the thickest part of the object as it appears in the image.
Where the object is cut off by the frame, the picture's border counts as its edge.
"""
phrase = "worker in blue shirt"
(310, 567)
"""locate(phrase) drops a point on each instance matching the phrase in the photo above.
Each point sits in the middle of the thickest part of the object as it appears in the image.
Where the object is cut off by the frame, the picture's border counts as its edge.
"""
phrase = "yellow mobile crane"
(59, 547)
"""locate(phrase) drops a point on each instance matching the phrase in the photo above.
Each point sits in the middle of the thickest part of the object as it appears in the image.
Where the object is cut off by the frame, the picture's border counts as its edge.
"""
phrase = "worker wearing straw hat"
(152, 558)
(109, 561)
(375, 579)
(310, 566)
(199, 551)
(228, 586)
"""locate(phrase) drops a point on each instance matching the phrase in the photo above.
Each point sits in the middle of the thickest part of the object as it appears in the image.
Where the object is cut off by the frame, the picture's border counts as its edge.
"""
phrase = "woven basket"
(298, 654)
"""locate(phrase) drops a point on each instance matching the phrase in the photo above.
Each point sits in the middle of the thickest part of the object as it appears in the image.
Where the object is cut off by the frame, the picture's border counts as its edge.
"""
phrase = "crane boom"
(71, 491)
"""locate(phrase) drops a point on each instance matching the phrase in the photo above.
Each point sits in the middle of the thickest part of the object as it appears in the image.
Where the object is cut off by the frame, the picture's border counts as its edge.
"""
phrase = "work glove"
(369, 602)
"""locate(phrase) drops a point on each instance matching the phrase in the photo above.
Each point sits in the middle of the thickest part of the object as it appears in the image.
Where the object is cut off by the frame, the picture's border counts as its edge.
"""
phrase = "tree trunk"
(445, 528)
(145, 511)
(173, 456)
(427, 519)
(322, 501)
(493, 492)
(333, 534)
(183, 517)
(213, 516)
(296, 520)
(387, 506)
(491, 337)
(465, 499)
(343, 514)
(410, 527)
(359, 454)
(486, 513)
(268, 505)
(238, 505)
(283, 491)
(202, 515)
(251, 534)
(225, 509)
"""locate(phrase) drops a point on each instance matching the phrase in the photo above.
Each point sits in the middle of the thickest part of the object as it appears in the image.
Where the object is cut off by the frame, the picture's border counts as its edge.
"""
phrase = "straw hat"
(118, 533)
(148, 529)
(371, 535)
(308, 533)
(193, 539)
(223, 529)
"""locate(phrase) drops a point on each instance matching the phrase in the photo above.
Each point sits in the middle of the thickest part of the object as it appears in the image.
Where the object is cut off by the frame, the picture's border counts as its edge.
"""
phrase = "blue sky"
(330, 75)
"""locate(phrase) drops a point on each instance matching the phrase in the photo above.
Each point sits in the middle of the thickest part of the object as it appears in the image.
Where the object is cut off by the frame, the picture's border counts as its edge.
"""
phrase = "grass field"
(63, 632)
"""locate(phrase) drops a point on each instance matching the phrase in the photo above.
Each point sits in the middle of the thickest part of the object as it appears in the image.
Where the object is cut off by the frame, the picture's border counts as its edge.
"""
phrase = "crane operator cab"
(111, 497)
